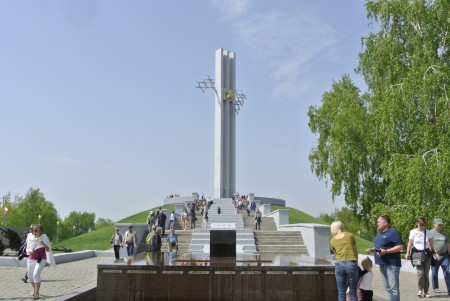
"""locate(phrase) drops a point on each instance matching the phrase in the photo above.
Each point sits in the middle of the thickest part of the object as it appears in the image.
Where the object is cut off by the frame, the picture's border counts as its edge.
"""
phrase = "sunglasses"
(421, 225)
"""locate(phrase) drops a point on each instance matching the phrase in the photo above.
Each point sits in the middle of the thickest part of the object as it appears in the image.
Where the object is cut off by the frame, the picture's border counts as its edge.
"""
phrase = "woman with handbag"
(117, 243)
(40, 252)
(420, 245)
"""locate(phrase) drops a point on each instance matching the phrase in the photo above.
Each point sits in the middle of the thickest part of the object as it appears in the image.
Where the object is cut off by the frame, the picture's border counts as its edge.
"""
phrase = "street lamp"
(5, 214)
(39, 216)
(57, 231)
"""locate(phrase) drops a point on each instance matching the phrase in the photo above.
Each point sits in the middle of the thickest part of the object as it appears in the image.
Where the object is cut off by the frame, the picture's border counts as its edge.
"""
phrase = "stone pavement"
(408, 285)
(57, 284)
(70, 278)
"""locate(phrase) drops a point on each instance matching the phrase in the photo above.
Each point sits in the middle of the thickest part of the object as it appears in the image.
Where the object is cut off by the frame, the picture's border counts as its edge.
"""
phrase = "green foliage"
(387, 151)
(77, 223)
(103, 222)
(351, 222)
(26, 211)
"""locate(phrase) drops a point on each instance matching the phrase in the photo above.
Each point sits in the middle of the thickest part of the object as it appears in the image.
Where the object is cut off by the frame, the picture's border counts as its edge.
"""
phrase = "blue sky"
(99, 108)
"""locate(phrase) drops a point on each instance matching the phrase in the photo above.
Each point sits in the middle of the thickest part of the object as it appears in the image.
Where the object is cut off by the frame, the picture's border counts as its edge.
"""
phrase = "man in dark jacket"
(162, 221)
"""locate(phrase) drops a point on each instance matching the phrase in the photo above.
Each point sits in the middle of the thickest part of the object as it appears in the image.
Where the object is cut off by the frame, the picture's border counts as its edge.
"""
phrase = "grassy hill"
(99, 239)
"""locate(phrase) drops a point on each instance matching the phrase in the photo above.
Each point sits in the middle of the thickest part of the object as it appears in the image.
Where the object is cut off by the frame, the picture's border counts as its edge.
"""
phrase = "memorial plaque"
(222, 243)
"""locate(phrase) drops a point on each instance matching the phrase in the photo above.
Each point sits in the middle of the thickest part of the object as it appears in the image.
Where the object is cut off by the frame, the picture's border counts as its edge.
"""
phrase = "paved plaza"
(57, 284)
(71, 278)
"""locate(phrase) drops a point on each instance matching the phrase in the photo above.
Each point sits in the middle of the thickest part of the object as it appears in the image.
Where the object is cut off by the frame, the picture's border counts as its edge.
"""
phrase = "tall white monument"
(227, 104)
(225, 125)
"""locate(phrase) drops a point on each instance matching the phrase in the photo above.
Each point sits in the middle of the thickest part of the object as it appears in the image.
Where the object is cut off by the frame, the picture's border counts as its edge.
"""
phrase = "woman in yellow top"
(346, 269)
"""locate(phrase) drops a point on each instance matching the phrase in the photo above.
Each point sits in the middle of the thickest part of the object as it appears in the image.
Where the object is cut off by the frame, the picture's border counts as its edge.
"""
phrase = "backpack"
(152, 242)
(173, 239)
(149, 238)
(23, 251)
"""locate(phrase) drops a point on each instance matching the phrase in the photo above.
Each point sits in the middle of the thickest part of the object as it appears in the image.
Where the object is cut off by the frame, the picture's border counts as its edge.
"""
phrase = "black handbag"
(419, 257)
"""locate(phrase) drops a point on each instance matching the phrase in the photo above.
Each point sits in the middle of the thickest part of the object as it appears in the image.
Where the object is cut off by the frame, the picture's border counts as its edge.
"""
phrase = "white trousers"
(34, 269)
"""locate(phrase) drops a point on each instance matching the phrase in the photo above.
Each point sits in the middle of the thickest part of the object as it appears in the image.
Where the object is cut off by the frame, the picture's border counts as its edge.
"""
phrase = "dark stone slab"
(222, 243)
(194, 278)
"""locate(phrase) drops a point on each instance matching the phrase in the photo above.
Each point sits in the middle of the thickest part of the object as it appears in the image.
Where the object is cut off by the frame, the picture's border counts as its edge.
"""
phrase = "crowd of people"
(426, 249)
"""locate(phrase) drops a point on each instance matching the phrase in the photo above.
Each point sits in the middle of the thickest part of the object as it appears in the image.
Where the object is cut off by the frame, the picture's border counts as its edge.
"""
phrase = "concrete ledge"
(59, 258)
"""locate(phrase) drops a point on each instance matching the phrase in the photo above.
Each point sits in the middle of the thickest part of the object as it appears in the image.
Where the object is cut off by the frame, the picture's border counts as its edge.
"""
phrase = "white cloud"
(287, 41)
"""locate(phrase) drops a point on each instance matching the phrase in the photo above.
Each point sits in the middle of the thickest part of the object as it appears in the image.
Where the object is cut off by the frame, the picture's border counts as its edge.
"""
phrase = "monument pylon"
(228, 103)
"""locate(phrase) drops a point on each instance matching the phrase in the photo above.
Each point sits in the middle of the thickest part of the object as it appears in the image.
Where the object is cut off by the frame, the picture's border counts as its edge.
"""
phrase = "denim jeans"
(443, 263)
(347, 273)
(390, 275)
(130, 249)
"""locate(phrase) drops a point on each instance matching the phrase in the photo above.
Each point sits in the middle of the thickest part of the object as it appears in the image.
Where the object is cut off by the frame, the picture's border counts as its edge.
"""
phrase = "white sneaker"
(427, 296)
(419, 294)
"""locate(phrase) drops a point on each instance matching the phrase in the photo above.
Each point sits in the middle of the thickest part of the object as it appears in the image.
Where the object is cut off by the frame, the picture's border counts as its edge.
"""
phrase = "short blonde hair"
(366, 263)
(336, 226)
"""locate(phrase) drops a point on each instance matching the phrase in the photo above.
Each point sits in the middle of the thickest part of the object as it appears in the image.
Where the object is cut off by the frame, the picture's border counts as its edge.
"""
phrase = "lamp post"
(5, 215)
(39, 217)
(57, 231)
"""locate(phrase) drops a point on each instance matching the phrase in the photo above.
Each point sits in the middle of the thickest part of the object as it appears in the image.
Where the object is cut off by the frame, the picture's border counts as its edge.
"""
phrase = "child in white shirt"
(366, 280)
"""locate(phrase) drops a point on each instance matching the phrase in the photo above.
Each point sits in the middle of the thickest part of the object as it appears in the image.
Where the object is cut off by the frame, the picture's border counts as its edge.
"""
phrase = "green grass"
(99, 239)
(298, 217)
(141, 217)
(94, 240)
(362, 245)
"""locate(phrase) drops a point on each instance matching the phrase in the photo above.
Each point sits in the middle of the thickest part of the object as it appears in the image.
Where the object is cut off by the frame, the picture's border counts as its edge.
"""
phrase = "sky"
(99, 110)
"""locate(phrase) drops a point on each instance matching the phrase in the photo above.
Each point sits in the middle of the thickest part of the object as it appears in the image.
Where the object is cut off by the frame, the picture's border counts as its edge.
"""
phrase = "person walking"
(29, 236)
(38, 248)
(162, 217)
(117, 242)
(184, 218)
(155, 242)
(129, 240)
(388, 244)
(193, 218)
(258, 220)
(172, 241)
(421, 241)
(172, 220)
(219, 210)
(150, 221)
(205, 220)
(346, 269)
(442, 244)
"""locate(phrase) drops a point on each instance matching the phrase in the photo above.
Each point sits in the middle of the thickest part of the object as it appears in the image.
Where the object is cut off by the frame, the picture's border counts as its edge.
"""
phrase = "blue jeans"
(390, 274)
(130, 249)
(347, 273)
(443, 263)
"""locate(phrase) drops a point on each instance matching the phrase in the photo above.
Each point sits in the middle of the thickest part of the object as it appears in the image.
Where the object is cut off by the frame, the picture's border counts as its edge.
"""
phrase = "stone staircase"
(248, 240)
(245, 242)
(267, 223)
(290, 242)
